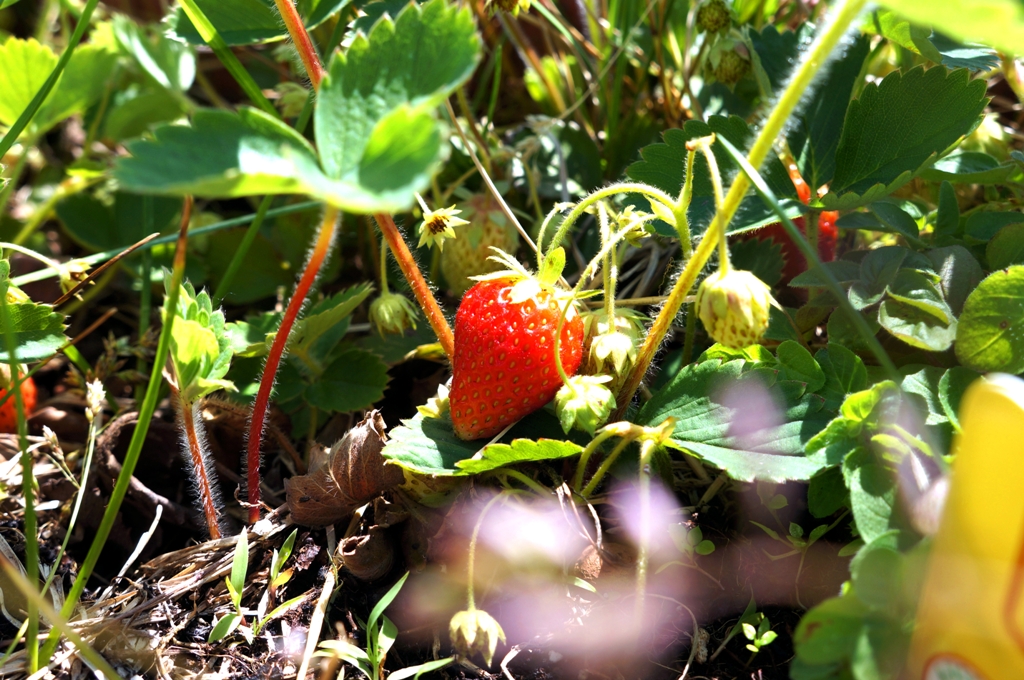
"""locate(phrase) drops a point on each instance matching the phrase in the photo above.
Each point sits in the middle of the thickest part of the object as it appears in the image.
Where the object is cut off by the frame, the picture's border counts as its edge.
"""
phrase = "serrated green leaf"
(1006, 247)
(915, 327)
(323, 321)
(921, 290)
(999, 23)
(762, 257)
(374, 103)
(922, 113)
(664, 164)
(819, 121)
(775, 453)
(171, 64)
(828, 633)
(245, 22)
(925, 384)
(969, 167)
(26, 64)
(844, 374)
(103, 226)
(38, 332)
(134, 112)
(959, 273)
(518, 451)
(222, 155)
(429, 445)
(985, 224)
(877, 270)
(355, 380)
(990, 336)
(952, 386)
(796, 363)
(947, 220)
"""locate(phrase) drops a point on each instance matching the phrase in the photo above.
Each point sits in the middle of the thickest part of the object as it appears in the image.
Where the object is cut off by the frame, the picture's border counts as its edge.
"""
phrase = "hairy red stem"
(324, 237)
(195, 450)
(303, 43)
(420, 288)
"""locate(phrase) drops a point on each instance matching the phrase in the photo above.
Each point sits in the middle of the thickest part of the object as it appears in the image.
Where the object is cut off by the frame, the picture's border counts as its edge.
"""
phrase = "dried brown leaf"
(352, 474)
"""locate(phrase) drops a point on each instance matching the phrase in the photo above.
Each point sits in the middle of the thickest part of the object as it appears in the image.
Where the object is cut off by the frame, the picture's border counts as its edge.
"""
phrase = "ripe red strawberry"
(504, 364)
(794, 261)
(9, 413)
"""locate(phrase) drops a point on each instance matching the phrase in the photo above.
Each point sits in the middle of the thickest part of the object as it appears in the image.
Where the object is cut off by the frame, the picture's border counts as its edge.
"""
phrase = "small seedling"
(381, 633)
(761, 636)
(235, 620)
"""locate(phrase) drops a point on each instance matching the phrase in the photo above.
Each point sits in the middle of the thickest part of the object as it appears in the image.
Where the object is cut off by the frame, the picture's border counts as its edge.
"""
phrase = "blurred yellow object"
(970, 622)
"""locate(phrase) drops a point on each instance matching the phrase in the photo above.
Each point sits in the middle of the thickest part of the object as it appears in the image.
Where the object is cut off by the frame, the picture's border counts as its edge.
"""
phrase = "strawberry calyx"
(526, 285)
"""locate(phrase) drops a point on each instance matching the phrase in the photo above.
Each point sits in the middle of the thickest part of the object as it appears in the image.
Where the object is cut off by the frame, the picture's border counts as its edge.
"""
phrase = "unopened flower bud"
(733, 305)
(94, 396)
(584, 402)
(613, 341)
(392, 313)
(475, 631)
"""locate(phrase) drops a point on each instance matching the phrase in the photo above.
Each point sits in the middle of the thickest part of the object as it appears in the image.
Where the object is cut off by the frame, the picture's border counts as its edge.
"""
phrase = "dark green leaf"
(959, 274)
(844, 374)
(983, 225)
(664, 164)
(842, 331)
(826, 493)
(947, 222)
(877, 270)
(1006, 247)
(922, 112)
(969, 167)
(819, 122)
(952, 386)
(38, 332)
(355, 380)
(762, 257)
(958, 55)
(519, 451)
(244, 22)
(916, 327)
(796, 363)
(101, 226)
(894, 219)
(774, 453)
(990, 336)
(873, 495)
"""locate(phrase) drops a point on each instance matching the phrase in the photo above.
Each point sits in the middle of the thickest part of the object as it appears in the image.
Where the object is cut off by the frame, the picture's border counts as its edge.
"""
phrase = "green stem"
(691, 333)
(12, 182)
(600, 194)
(243, 249)
(538, 489)
(37, 101)
(138, 437)
(814, 262)
(845, 13)
(603, 435)
(200, 231)
(27, 485)
(212, 37)
(471, 556)
(646, 449)
(383, 266)
(704, 144)
(605, 466)
(146, 292)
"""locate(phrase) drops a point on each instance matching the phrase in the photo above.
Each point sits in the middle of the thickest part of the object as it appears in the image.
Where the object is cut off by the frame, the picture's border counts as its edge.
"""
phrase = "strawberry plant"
(619, 338)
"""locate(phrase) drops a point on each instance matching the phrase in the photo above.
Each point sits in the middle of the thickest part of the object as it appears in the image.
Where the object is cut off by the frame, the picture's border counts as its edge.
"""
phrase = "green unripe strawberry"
(733, 306)
(467, 255)
(392, 313)
(584, 402)
(731, 67)
(714, 16)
